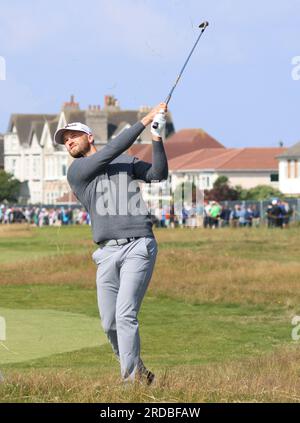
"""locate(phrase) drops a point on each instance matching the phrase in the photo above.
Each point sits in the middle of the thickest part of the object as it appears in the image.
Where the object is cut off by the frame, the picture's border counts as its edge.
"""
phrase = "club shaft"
(183, 67)
(204, 25)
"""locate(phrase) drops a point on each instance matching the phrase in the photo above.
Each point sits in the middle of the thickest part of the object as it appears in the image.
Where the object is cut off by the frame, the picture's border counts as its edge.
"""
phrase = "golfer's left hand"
(150, 116)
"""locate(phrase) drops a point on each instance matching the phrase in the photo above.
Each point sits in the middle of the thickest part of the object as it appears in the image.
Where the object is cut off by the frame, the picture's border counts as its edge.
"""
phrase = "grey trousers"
(123, 276)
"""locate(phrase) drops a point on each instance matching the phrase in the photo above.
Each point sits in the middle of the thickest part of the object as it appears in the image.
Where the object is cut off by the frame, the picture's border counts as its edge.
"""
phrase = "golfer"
(105, 182)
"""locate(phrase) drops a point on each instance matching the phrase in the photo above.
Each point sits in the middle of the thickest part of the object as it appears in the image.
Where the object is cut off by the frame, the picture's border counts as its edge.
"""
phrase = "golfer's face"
(76, 142)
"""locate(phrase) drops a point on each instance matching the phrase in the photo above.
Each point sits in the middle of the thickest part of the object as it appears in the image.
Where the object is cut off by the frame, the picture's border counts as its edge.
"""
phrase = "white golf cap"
(75, 126)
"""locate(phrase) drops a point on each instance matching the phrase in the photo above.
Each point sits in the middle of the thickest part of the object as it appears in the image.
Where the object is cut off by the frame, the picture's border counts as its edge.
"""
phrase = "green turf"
(173, 332)
(38, 333)
(56, 297)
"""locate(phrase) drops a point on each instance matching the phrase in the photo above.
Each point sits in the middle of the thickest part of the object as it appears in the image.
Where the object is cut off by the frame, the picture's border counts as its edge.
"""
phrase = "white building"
(246, 167)
(32, 157)
(289, 171)
(195, 156)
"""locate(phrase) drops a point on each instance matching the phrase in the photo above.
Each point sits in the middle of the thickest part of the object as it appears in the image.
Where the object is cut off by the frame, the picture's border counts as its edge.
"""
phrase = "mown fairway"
(215, 324)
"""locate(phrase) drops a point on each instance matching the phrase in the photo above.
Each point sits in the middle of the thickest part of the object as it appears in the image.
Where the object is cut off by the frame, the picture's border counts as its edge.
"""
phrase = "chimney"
(97, 119)
(71, 105)
(111, 103)
(144, 109)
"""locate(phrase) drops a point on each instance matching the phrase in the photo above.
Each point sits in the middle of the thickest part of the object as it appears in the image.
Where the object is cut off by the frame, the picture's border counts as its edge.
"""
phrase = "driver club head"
(203, 25)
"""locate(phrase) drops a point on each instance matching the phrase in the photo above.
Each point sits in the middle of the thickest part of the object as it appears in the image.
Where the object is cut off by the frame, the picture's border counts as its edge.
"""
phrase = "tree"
(9, 187)
(221, 191)
(220, 181)
(260, 192)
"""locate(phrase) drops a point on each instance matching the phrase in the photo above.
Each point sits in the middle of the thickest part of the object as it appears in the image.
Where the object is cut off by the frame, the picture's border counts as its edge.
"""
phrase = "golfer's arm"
(87, 168)
(158, 170)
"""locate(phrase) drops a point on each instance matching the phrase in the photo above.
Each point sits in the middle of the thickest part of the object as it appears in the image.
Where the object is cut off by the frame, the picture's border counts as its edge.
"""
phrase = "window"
(274, 177)
(50, 168)
(63, 161)
(288, 169)
(35, 167)
(205, 182)
(292, 169)
(13, 165)
(27, 167)
(14, 143)
(54, 167)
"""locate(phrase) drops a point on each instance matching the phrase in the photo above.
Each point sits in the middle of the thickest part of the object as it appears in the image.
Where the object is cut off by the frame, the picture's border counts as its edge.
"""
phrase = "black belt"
(121, 241)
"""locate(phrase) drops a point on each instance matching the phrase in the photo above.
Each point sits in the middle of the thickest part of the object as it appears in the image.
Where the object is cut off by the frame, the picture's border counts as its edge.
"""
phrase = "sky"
(242, 84)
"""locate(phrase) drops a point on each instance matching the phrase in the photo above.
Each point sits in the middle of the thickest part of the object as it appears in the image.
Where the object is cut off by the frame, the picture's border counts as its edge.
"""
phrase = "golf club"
(203, 26)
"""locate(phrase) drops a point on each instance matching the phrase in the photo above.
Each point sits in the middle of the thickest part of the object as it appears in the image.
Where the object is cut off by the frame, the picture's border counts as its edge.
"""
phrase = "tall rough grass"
(270, 378)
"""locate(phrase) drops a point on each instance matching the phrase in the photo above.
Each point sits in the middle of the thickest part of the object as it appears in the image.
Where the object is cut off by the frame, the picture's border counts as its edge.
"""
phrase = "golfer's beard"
(78, 152)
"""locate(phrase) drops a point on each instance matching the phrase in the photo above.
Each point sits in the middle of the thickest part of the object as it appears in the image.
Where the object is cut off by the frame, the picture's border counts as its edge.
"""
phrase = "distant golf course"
(215, 323)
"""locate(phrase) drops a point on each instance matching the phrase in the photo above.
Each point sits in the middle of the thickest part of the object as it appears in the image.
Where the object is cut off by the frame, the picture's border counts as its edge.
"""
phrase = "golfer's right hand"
(158, 125)
(150, 116)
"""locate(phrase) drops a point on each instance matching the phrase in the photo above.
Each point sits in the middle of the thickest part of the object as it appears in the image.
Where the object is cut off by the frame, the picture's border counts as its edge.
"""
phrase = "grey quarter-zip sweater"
(106, 184)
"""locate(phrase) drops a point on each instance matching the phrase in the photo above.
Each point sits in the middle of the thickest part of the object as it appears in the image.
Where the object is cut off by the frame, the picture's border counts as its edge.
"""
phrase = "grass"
(24, 242)
(215, 323)
(35, 333)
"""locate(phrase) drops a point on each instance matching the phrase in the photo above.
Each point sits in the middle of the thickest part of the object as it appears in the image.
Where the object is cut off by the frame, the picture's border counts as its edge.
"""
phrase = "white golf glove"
(159, 121)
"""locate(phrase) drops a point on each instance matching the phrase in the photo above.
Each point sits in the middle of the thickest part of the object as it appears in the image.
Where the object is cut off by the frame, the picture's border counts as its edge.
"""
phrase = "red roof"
(198, 137)
(228, 159)
(178, 144)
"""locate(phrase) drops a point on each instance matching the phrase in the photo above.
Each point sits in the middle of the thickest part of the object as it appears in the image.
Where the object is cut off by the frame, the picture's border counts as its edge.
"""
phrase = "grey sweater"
(106, 185)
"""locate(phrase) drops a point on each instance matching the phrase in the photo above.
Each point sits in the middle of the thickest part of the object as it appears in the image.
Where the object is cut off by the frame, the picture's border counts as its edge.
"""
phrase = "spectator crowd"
(278, 214)
(215, 215)
(209, 215)
(41, 216)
